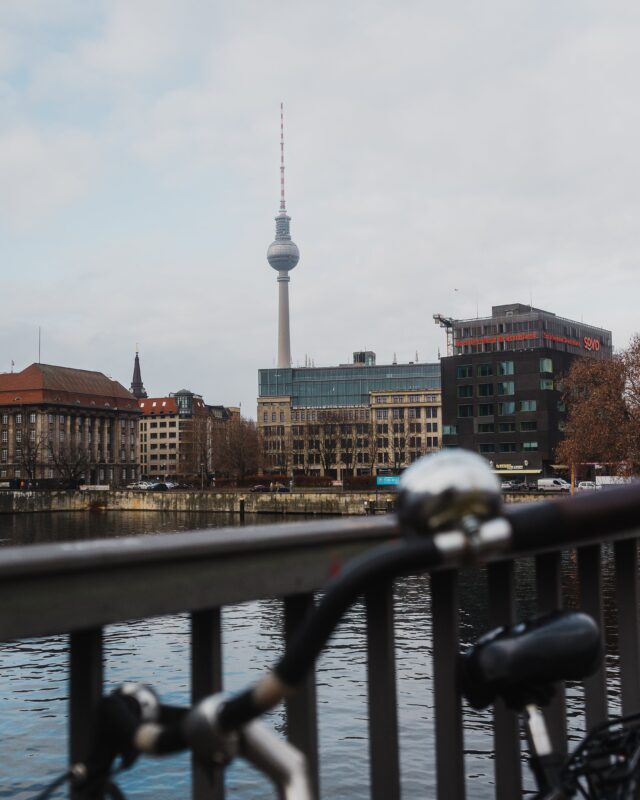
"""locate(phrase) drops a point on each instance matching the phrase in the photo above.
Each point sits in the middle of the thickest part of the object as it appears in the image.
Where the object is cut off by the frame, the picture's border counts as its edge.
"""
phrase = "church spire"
(137, 387)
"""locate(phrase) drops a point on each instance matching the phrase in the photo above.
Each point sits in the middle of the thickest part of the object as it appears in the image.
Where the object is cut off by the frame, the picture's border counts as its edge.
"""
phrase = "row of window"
(526, 426)
(62, 418)
(504, 388)
(501, 409)
(502, 368)
(506, 447)
(412, 398)
(49, 472)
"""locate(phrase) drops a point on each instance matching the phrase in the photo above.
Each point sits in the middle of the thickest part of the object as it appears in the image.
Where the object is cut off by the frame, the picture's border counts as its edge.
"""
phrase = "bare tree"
(31, 454)
(70, 460)
(236, 448)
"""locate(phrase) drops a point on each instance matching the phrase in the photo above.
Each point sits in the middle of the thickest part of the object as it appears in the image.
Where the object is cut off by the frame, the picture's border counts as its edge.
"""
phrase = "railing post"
(626, 561)
(549, 593)
(85, 689)
(448, 705)
(206, 679)
(301, 708)
(383, 706)
(506, 728)
(590, 582)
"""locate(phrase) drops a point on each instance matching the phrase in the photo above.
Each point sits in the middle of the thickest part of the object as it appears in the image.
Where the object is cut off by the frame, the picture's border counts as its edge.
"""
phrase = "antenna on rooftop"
(39, 343)
(13, 363)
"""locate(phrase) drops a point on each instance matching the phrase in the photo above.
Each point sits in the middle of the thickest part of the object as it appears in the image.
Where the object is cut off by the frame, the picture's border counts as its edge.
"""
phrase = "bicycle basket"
(606, 765)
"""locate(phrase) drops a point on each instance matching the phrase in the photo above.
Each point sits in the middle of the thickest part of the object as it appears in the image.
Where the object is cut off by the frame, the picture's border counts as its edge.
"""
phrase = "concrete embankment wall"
(262, 503)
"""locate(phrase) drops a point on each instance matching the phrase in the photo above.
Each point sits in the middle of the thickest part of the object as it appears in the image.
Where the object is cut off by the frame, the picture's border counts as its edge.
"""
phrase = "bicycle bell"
(441, 490)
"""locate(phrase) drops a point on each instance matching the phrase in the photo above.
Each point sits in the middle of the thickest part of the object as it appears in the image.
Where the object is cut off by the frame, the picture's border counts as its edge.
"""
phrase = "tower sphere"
(283, 255)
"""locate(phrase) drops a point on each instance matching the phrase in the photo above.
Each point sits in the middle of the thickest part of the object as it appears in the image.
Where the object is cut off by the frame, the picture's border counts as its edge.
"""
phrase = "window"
(464, 372)
(506, 427)
(415, 441)
(18, 436)
(61, 419)
(32, 418)
(561, 406)
(5, 419)
(546, 365)
(485, 409)
(528, 405)
(508, 447)
(546, 384)
(465, 411)
(486, 427)
(484, 370)
(5, 436)
(398, 413)
(18, 419)
(265, 416)
(506, 388)
(529, 425)
(489, 447)
(530, 445)
(465, 391)
(32, 435)
(450, 430)
(382, 413)
(485, 389)
(505, 409)
(505, 368)
(3, 456)
(273, 416)
(282, 416)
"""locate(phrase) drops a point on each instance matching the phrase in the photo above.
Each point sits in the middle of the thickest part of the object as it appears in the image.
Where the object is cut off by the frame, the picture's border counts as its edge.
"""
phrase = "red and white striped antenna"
(282, 205)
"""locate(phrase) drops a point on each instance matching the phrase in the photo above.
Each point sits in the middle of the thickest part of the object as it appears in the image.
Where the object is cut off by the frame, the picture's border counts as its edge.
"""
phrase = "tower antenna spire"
(282, 203)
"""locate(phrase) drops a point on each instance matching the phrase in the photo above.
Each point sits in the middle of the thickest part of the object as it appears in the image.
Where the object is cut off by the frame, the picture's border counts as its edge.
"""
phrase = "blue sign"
(387, 480)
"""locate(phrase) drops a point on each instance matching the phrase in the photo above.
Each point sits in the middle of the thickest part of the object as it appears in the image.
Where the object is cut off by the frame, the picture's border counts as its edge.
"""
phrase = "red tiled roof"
(158, 405)
(45, 383)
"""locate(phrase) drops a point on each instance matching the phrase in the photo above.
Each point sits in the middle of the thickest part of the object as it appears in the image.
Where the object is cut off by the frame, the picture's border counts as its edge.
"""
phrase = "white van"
(553, 485)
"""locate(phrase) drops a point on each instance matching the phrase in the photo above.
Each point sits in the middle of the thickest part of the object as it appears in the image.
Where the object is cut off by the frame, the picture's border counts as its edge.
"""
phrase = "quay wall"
(317, 502)
(351, 503)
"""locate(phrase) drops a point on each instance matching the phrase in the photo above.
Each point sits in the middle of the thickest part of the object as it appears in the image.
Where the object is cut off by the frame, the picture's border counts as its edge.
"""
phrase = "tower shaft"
(283, 255)
(284, 339)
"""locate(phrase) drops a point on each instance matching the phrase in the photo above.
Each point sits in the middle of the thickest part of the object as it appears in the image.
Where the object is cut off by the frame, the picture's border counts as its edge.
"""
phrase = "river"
(33, 678)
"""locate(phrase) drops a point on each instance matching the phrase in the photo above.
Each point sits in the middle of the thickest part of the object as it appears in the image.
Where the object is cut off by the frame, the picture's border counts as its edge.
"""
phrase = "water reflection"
(33, 686)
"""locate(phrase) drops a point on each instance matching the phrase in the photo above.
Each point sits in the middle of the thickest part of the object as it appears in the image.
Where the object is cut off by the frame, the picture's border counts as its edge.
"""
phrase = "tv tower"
(283, 255)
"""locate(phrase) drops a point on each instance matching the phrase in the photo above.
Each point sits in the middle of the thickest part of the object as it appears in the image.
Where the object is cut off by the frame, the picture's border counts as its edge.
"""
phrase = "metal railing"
(78, 588)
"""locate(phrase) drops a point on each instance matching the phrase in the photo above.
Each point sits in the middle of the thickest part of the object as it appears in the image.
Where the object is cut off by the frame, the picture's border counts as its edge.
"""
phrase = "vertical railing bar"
(506, 730)
(384, 756)
(206, 679)
(590, 587)
(301, 708)
(86, 675)
(448, 705)
(626, 566)
(549, 594)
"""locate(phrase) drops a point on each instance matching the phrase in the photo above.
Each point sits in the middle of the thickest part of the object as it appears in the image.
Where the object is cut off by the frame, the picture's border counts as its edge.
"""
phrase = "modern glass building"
(347, 384)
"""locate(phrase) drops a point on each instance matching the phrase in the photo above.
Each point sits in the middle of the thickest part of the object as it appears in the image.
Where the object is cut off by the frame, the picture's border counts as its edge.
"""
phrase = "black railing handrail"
(169, 547)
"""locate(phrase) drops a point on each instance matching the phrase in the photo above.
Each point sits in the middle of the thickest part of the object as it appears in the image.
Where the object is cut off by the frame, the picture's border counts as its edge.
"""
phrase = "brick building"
(64, 423)
(176, 436)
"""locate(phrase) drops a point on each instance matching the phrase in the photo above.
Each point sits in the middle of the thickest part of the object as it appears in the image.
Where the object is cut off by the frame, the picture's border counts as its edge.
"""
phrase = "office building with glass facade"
(319, 420)
(502, 387)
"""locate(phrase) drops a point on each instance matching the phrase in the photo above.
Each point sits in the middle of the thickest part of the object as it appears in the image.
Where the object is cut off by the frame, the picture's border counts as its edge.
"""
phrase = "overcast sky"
(441, 157)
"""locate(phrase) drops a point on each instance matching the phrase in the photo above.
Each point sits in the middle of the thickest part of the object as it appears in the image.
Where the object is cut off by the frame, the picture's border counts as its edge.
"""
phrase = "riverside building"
(361, 418)
(176, 435)
(501, 385)
(68, 424)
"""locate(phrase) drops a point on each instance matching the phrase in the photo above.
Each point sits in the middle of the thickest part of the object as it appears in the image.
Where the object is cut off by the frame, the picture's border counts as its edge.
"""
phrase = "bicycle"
(449, 507)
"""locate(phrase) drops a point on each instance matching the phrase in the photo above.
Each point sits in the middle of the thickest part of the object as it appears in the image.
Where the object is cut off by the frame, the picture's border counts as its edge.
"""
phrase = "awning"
(517, 471)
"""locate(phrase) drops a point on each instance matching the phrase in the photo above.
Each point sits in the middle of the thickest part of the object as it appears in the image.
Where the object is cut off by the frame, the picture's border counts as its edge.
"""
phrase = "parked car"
(586, 486)
(158, 487)
(506, 486)
(259, 487)
(138, 485)
(553, 485)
